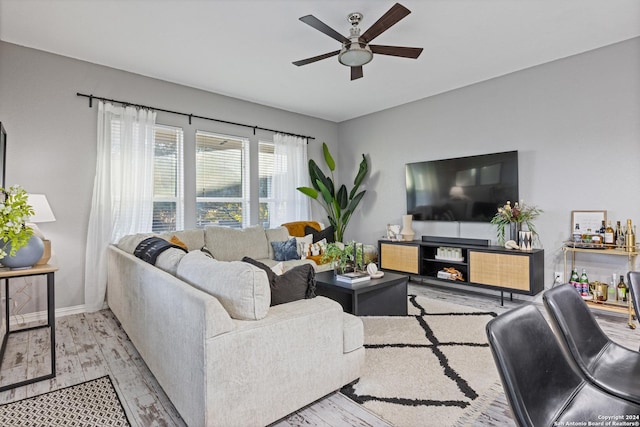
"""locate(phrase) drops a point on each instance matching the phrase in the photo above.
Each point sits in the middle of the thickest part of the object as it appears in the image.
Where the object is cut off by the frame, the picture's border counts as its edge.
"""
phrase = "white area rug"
(429, 368)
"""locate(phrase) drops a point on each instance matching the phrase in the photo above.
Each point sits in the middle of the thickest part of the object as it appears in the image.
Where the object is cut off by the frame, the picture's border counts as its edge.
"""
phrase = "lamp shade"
(42, 210)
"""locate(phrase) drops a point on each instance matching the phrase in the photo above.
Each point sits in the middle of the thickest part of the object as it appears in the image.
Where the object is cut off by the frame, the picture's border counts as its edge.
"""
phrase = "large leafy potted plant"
(19, 248)
(339, 204)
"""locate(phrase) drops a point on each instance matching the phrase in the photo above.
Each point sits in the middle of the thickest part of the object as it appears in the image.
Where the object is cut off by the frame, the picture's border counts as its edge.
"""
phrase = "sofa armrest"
(168, 321)
(302, 339)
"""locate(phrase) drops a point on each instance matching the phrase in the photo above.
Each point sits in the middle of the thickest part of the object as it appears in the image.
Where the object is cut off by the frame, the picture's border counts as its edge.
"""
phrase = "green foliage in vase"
(518, 213)
(341, 255)
(339, 205)
(14, 213)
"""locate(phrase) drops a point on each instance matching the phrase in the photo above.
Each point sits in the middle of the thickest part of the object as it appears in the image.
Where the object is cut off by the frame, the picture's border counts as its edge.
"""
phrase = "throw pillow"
(130, 242)
(294, 284)
(284, 251)
(317, 252)
(176, 241)
(149, 249)
(303, 245)
(278, 234)
(328, 233)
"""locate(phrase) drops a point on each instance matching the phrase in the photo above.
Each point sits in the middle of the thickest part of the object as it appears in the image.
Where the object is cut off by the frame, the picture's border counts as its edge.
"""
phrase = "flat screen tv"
(466, 189)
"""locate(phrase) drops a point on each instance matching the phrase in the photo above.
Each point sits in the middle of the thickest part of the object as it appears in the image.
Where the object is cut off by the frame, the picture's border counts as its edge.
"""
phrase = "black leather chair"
(542, 387)
(610, 366)
(633, 279)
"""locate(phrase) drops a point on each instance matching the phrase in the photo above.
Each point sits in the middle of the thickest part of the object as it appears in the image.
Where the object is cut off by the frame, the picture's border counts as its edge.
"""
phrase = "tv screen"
(461, 189)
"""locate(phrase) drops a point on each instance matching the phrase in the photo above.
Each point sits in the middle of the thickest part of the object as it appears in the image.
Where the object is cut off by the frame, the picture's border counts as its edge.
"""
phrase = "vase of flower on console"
(514, 220)
(19, 248)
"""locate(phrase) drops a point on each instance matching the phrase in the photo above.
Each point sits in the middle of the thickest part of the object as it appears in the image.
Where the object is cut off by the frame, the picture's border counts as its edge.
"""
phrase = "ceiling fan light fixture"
(354, 55)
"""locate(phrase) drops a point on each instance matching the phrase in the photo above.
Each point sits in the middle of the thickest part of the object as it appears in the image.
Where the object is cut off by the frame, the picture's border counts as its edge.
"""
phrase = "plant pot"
(514, 231)
(26, 256)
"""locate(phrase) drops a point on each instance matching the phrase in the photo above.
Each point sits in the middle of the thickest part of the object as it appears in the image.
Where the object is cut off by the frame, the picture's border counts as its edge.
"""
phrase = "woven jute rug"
(429, 368)
(92, 403)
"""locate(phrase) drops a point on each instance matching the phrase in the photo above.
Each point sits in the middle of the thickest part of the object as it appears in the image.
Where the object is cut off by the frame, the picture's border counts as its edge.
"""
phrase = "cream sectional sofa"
(216, 369)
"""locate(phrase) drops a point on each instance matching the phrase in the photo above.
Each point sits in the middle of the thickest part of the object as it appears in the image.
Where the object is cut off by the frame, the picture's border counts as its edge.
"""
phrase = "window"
(222, 180)
(283, 168)
(168, 212)
(267, 200)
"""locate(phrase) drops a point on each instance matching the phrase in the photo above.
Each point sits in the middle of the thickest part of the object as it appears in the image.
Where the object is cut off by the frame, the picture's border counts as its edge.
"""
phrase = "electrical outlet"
(558, 277)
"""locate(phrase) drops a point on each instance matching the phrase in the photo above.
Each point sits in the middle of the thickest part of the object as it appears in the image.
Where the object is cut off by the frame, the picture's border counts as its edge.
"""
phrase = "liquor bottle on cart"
(619, 235)
(630, 238)
(575, 280)
(622, 290)
(609, 236)
(584, 283)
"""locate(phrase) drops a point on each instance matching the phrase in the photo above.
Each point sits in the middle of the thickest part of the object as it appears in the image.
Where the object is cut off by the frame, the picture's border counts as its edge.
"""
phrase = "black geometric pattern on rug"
(91, 403)
(435, 347)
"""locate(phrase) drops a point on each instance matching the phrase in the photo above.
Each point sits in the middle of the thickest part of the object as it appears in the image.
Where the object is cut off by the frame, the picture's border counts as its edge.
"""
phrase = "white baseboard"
(41, 316)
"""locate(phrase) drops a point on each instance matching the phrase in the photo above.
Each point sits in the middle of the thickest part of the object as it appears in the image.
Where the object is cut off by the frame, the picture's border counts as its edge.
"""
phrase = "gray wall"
(575, 123)
(52, 142)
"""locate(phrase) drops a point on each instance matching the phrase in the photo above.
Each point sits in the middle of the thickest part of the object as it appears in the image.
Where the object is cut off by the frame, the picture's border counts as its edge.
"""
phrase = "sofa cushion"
(284, 251)
(296, 283)
(242, 289)
(169, 260)
(231, 244)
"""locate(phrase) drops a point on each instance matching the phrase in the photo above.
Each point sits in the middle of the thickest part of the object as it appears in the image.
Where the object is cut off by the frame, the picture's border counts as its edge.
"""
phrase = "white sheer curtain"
(122, 201)
(290, 170)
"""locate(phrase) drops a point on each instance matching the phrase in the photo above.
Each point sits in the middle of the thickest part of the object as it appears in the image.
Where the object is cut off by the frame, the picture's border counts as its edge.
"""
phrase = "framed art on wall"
(583, 221)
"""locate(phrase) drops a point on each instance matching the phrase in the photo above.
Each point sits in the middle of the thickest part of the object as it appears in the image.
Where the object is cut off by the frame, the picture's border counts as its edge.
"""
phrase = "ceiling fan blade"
(393, 15)
(316, 58)
(356, 73)
(405, 52)
(324, 28)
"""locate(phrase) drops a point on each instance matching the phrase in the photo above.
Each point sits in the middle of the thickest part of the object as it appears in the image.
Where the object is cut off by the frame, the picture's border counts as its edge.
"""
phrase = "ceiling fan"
(356, 50)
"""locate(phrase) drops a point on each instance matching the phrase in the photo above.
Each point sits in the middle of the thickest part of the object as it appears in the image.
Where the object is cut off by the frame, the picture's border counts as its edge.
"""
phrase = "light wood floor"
(91, 345)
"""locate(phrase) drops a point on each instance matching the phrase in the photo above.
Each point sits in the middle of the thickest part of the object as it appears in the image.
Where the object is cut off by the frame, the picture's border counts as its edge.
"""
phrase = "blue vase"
(26, 256)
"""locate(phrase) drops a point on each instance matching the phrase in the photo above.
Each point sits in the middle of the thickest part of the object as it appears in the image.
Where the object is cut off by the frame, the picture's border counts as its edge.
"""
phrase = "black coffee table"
(386, 296)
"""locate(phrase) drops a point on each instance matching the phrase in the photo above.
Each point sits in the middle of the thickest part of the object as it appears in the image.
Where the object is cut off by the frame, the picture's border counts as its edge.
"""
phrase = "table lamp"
(42, 213)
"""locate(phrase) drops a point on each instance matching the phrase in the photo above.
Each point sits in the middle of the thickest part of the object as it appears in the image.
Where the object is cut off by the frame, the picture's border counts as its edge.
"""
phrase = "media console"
(479, 264)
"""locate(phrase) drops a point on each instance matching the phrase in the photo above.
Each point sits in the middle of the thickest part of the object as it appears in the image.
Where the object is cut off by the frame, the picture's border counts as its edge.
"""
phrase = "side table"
(6, 274)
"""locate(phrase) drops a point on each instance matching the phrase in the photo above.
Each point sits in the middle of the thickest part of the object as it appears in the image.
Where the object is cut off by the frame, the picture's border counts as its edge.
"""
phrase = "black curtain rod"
(191, 116)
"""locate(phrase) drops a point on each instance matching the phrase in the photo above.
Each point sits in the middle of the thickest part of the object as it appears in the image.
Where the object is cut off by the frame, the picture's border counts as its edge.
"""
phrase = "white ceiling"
(244, 48)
